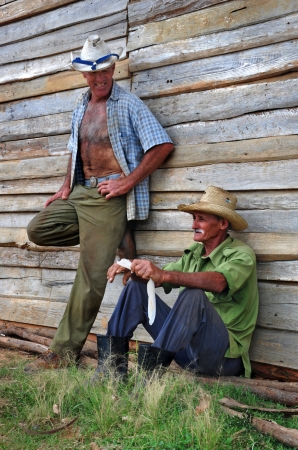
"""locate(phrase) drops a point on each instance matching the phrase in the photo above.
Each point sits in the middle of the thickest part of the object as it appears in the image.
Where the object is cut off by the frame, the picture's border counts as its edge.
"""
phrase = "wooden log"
(34, 148)
(246, 200)
(245, 176)
(273, 31)
(152, 10)
(14, 331)
(272, 372)
(21, 9)
(58, 41)
(231, 403)
(277, 395)
(277, 221)
(217, 71)
(267, 246)
(275, 347)
(227, 16)
(282, 434)
(225, 103)
(34, 168)
(54, 83)
(46, 185)
(18, 344)
(78, 11)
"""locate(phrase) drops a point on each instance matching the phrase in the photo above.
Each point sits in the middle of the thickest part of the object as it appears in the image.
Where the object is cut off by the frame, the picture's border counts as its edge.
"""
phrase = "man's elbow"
(221, 285)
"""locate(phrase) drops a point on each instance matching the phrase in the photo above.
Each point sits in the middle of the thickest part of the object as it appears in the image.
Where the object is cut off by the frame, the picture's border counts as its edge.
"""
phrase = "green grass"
(174, 412)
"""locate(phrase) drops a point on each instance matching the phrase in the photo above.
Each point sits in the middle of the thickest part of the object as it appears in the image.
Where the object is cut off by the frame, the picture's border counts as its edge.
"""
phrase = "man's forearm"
(67, 178)
(208, 281)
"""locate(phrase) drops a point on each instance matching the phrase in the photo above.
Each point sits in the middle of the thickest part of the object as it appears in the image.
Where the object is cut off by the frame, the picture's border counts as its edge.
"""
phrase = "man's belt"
(93, 181)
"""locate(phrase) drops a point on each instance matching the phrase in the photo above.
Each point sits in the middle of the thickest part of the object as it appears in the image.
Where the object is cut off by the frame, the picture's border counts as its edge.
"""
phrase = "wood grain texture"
(217, 71)
(34, 148)
(250, 200)
(22, 186)
(225, 103)
(249, 126)
(259, 221)
(70, 14)
(245, 176)
(68, 259)
(145, 11)
(273, 31)
(32, 68)
(22, 9)
(227, 16)
(65, 39)
(34, 168)
(275, 347)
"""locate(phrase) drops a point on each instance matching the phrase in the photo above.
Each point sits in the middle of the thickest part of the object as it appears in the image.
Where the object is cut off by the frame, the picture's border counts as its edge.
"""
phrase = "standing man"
(210, 326)
(115, 144)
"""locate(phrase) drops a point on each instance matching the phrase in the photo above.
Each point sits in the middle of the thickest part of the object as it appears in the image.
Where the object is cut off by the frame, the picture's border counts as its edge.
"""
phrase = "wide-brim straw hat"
(95, 55)
(221, 203)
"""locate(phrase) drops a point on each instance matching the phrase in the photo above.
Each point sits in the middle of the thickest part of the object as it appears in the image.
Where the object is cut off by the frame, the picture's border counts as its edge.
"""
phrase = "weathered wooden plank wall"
(222, 77)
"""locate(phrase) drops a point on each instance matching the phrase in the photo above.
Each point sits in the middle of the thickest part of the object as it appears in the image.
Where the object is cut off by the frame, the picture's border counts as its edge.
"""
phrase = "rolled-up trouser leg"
(192, 329)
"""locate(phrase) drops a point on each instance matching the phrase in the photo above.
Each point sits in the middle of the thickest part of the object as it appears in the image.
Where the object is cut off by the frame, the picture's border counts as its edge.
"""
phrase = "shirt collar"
(197, 249)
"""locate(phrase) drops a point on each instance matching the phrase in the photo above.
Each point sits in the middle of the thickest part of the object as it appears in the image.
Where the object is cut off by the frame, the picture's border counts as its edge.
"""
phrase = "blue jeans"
(192, 329)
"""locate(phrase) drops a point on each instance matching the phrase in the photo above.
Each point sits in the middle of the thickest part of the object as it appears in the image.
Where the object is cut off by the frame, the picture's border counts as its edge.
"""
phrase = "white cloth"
(150, 291)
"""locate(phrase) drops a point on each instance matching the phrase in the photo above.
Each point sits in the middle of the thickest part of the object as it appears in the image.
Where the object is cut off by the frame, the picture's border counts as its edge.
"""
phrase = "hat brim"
(99, 67)
(236, 221)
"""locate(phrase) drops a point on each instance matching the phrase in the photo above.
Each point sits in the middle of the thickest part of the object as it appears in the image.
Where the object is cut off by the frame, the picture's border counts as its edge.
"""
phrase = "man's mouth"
(197, 230)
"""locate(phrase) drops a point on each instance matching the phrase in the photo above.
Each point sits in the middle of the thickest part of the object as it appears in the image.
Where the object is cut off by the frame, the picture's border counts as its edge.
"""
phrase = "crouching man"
(210, 326)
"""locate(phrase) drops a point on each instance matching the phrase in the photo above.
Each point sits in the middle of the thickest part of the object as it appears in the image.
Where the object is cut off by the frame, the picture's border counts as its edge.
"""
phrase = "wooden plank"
(275, 347)
(278, 307)
(152, 10)
(65, 39)
(217, 71)
(225, 103)
(278, 30)
(245, 176)
(267, 246)
(34, 168)
(21, 9)
(34, 148)
(29, 69)
(33, 186)
(19, 203)
(249, 126)
(284, 199)
(79, 11)
(227, 16)
(215, 104)
(68, 259)
(10, 220)
(259, 221)
(250, 150)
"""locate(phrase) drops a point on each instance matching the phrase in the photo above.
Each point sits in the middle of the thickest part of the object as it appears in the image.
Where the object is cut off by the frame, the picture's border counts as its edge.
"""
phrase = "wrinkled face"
(100, 82)
(207, 227)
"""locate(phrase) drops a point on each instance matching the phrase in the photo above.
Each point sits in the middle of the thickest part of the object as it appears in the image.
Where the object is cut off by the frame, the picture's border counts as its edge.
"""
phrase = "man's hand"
(114, 188)
(63, 193)
(146, 270)
(115, 269)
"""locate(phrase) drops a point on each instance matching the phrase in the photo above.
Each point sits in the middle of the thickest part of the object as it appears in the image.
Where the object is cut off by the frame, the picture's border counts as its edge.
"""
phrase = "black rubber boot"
(153, 358)
(112, 357)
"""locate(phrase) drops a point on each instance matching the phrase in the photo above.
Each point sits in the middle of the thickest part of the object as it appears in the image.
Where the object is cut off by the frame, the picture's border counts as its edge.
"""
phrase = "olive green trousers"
(97, 224)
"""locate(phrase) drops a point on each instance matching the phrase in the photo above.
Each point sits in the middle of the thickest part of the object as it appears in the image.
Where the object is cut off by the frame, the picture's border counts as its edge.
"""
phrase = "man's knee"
(189, 297)
(33, 233)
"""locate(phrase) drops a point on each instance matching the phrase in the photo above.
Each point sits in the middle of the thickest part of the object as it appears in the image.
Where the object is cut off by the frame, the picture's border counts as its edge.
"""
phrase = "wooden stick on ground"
(288, 436)
(15, 331)
(231, 403)
(18, 344)
(282, 385)
(268, 393)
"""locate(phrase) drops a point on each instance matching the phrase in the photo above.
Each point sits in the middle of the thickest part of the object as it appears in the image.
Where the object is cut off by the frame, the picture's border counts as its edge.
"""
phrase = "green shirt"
(238, 304)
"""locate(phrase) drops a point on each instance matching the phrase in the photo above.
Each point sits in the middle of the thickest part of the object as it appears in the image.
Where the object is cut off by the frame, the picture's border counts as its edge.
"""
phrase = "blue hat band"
(94, 63)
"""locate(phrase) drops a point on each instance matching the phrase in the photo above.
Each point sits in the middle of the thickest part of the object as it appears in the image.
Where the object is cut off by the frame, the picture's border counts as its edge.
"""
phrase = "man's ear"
(224, 224)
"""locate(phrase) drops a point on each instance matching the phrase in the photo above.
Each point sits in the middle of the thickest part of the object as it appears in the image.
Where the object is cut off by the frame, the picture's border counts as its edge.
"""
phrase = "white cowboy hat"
(219, 202)
(95, 55)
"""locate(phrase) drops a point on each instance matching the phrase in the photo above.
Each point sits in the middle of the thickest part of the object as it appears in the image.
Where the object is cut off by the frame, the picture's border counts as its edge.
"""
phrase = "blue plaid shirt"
(132, 131)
